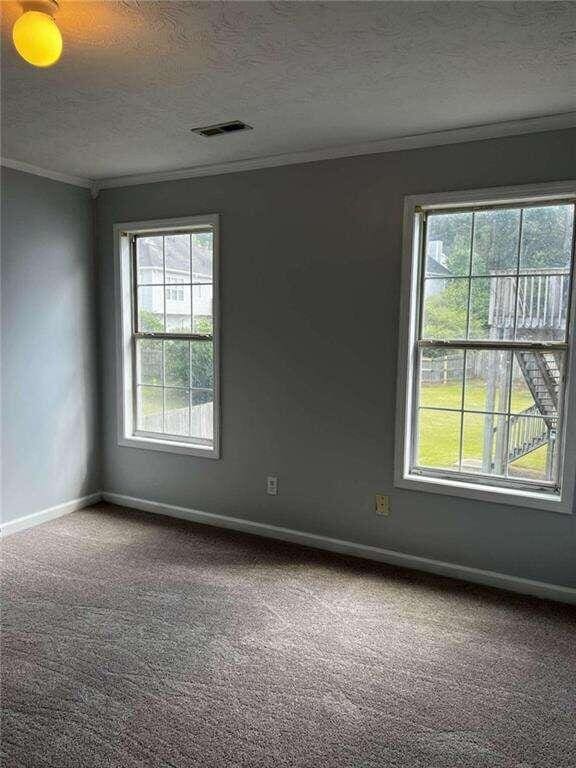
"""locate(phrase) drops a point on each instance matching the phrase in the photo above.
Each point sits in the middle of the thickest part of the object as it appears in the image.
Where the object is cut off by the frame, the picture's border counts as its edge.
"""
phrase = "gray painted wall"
(309, 389)
(48, 350)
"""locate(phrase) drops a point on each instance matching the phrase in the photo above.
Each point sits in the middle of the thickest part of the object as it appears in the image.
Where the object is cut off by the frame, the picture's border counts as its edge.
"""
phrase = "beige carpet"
(134, 640)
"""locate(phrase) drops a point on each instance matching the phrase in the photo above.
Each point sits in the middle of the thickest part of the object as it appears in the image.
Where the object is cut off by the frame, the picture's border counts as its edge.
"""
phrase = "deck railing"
(542, 301)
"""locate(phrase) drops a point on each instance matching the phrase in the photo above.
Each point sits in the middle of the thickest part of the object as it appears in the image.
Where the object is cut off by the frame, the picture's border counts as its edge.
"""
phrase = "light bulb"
(37, 38)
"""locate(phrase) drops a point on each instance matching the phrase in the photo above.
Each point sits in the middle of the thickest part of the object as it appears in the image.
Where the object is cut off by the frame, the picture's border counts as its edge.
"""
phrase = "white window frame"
(127, 435)
(404, 477)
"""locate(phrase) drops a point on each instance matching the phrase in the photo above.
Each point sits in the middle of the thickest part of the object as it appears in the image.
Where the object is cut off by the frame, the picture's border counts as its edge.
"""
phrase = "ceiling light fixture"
(36, 35)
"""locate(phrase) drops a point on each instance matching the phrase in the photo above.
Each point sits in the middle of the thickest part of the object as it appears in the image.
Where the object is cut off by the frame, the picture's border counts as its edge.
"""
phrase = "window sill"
(170, 446)
(546, 502)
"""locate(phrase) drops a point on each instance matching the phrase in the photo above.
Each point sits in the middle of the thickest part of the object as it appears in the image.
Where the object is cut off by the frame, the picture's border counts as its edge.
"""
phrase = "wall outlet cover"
(382, 504)
(272, 486)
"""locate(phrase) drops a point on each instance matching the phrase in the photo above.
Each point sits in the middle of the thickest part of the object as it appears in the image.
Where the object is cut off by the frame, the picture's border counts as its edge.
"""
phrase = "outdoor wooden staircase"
(538, 311)
(541, 372)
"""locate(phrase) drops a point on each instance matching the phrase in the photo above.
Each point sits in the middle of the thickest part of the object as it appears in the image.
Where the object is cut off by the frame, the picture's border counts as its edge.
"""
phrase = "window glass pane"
(148, 362)
(532, 448)
(177, 363)
(151, 309)
(202, 243)
(542, 307)
(492, 305)
(487, 380)
(202, 361)
(150, 260)
(484, 443)
(176, 411)
(448, 244)
(496, 235)
(178, 309)
(441, 375)
(445, 309)
(546, 238)
(149, 409)
(438, 439)
(202, 419)
(177, 255)
(536, 382)
(202, 308)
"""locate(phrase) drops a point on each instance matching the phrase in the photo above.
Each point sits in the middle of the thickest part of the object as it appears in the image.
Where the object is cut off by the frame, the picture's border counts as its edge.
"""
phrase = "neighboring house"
(185, 287)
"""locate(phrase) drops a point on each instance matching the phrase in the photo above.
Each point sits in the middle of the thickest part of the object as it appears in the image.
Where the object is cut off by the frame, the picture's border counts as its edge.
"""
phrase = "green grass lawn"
(440, 431)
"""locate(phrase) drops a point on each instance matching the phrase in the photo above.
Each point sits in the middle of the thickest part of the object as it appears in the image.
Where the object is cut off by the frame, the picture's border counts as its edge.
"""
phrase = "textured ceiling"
(136, 76)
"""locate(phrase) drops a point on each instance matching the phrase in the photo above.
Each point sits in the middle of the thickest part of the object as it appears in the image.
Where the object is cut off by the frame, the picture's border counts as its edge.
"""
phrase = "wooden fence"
(441, 370)
(195, 422)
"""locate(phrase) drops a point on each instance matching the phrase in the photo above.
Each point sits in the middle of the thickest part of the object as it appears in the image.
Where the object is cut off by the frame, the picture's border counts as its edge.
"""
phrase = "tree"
(186, 364)
(491, 243)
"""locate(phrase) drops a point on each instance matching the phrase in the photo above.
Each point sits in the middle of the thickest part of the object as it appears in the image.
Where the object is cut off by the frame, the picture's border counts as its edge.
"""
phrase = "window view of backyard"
(496, 275)
(175, 373)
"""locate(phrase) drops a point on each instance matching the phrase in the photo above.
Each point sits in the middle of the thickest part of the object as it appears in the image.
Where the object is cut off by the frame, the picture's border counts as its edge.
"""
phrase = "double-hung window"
(168, 335)
(487, 346)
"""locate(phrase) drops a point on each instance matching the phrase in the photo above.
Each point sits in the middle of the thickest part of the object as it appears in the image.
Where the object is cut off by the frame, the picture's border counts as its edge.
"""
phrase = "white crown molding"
(392, 557)
(418, 141)
(18, 165)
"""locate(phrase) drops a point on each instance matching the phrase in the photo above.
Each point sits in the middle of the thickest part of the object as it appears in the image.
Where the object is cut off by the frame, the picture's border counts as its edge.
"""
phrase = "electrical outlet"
(272, 486)
(382, 504)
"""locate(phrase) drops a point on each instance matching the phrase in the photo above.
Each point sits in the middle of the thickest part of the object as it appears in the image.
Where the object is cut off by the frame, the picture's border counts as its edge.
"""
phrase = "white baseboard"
(466, 573)
(36, 518)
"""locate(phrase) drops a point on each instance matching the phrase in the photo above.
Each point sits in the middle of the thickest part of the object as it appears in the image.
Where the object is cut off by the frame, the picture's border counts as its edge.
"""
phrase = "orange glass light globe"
(37, 38)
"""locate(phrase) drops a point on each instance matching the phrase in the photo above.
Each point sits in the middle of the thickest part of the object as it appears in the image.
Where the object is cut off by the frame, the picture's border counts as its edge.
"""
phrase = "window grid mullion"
(164, 290)
(462, 408)
(548, 273)
(544, 203)
(509, 409)
(477, 411)
(191, 282)
(518, 255)
(174, 336)
(468, 301)
(488, 344)
(163, 386)
(190, 367)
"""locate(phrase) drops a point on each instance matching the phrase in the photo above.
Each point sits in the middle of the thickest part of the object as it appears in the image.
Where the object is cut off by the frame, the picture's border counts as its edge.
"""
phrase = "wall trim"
(396, 144)
(18, 165)
(391, 557)
(44, 515)
(480, 132)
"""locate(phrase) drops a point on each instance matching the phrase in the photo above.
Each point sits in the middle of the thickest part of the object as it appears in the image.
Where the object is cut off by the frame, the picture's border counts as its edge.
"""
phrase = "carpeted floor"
(134, 640)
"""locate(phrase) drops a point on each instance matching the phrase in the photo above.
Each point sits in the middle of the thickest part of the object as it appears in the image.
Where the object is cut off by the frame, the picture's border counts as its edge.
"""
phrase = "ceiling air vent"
(222, 128)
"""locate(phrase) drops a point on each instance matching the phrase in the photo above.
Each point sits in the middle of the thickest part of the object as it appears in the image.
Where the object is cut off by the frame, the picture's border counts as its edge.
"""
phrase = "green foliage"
(547, 237)
(491, 246)
(184, 365)
(445, 317)
(150, 322)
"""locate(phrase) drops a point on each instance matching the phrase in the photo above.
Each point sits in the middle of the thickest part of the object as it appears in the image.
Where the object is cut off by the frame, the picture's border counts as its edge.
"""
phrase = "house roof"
(178, 255)
(435, 269)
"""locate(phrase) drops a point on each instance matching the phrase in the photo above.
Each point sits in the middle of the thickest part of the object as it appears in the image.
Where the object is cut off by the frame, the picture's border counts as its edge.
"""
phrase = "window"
(168, 372)
(485, 360)
(174, 294)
